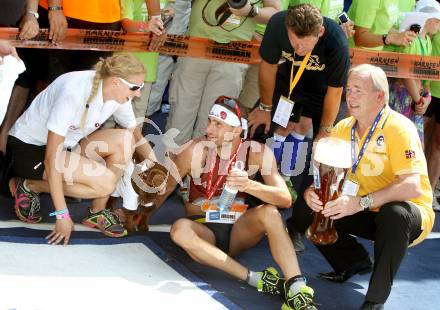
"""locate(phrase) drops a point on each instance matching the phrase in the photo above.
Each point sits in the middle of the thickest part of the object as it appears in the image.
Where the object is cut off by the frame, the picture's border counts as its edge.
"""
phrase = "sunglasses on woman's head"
(131, 86)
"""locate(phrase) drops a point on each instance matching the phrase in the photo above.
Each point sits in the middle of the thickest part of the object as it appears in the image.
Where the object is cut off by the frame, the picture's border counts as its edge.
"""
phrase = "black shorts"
(27, 159)
(434, 109)
(222, 232)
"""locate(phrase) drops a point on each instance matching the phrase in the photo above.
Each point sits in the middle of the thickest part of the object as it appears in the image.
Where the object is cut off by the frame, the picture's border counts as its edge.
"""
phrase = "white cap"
(333, 152)
(226, 116)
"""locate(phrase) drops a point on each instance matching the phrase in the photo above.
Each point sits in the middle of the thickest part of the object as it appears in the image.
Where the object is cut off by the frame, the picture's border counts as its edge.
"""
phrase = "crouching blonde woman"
(57, 149)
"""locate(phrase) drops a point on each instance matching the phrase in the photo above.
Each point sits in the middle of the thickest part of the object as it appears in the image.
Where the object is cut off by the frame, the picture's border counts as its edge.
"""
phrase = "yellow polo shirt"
(394, 149)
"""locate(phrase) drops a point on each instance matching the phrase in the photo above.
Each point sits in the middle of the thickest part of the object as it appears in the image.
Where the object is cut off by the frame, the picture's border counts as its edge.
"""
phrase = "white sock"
(297, 135)
(296, 286)
(253, 277)
(279, 138)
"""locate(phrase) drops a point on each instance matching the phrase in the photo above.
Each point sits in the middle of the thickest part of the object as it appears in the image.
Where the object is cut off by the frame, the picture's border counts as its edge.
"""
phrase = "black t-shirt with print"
(328, 64)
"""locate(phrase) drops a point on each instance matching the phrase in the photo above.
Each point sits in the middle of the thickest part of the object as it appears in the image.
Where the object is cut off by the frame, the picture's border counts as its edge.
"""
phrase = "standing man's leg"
(166, 66)
(224, 78)
(186, 92)
(250, 91)
(140, 104)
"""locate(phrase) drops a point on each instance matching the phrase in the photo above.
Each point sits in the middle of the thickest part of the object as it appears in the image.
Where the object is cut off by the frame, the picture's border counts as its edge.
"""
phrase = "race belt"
(213, 214)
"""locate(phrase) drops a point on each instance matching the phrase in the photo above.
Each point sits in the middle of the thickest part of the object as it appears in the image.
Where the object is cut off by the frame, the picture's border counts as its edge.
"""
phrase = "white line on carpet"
(78, 227)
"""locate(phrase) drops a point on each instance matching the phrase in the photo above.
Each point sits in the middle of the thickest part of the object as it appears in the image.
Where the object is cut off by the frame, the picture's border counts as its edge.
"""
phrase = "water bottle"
(227, 198)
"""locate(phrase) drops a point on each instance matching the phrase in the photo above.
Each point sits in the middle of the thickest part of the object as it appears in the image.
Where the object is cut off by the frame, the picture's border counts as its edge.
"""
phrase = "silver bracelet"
(264, 107)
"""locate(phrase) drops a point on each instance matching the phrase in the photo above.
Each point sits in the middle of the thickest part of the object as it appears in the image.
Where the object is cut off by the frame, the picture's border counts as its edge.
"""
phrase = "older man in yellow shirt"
(390, 197)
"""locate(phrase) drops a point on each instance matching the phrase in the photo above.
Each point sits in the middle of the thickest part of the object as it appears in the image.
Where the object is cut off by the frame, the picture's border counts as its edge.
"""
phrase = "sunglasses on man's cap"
(230, 102)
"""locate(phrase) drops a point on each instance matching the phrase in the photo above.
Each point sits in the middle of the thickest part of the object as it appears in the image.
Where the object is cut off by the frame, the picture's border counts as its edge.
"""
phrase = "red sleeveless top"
(198, 192)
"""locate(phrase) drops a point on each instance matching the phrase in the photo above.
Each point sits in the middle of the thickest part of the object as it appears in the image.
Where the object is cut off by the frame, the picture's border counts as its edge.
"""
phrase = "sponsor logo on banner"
(394, 64)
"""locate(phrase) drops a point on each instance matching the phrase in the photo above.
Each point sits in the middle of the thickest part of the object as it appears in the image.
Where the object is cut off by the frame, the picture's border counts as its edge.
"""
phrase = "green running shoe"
(303, 300)
(270, 282)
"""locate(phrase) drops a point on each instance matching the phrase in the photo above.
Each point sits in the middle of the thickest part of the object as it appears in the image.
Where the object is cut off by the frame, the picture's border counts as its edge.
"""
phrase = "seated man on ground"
(57, 149)
(215, 244)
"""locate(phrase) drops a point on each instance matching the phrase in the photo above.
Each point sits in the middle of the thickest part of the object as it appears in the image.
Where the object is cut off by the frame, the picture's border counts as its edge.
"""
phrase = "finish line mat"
(133, 275)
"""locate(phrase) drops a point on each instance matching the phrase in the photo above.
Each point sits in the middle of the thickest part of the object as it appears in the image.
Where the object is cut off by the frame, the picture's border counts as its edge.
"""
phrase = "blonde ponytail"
(95, 85)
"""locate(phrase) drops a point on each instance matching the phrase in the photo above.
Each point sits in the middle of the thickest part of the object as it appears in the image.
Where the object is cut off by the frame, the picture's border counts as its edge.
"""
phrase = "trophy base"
(322, 238)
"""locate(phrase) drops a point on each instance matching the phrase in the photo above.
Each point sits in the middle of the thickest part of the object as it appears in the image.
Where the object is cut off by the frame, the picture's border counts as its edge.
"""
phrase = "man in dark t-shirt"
(290, 35)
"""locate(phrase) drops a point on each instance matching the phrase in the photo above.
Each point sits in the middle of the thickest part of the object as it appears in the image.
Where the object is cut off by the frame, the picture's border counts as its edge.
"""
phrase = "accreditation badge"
(283, 111)
(350, 187)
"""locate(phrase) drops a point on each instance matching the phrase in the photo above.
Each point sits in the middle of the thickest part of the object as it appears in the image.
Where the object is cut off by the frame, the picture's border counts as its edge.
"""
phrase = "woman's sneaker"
(270, 282)
(303, 300)
(107, 222)
(27, 202)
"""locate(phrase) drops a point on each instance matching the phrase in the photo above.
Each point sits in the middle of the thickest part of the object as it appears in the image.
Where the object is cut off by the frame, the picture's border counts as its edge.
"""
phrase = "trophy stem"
(322, 230)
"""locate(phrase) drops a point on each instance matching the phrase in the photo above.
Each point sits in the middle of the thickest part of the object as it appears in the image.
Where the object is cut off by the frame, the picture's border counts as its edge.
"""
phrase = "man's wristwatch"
(366, 202)
(35, 14)
(55, 8)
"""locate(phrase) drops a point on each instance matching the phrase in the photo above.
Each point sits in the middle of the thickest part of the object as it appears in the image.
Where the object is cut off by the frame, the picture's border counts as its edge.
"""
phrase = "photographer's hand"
(244, 11)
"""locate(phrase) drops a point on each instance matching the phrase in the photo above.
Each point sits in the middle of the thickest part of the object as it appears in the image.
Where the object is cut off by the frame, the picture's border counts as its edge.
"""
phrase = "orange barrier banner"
(117, 41)
(399, 65)
(394, 64)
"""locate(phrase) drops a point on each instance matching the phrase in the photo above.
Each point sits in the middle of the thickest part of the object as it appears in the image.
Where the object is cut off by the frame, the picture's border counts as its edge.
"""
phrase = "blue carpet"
(415, 286)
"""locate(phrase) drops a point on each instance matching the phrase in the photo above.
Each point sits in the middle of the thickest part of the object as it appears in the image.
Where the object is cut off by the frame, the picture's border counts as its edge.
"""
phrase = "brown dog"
(147, 185)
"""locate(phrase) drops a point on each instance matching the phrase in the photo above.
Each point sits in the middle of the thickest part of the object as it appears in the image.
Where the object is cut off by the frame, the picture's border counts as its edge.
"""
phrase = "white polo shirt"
(59, 108)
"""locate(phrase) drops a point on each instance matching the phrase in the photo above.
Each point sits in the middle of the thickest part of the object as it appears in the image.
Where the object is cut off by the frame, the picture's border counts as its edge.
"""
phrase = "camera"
(343, 18)
(223, 12)
(237, 4)
(415, 28)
